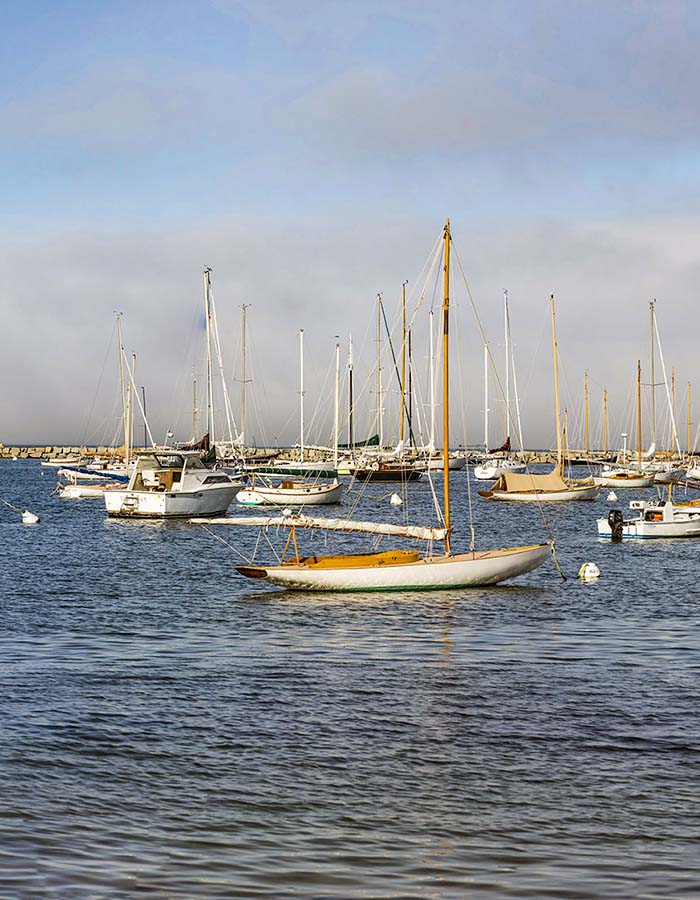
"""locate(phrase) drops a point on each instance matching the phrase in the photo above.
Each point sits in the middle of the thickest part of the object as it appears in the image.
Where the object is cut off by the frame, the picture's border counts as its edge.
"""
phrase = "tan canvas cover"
(523, 482)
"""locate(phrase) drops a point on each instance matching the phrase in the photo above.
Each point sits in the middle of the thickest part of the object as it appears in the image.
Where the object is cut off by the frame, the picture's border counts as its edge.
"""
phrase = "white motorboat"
(169, 483)
(291, 493)
(654, 519)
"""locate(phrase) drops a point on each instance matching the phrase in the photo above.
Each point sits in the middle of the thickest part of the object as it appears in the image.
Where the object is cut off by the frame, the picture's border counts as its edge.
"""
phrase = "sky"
(309, 153)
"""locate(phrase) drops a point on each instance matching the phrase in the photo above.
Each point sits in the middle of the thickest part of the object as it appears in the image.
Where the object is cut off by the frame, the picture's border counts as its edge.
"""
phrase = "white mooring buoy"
(612, 497)
(589, 572)
(395, 500)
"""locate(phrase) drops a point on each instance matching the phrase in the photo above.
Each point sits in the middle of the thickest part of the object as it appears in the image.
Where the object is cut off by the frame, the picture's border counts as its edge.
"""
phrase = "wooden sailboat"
(395, 569)
(528, 487)
(629, 477)
(299, 493)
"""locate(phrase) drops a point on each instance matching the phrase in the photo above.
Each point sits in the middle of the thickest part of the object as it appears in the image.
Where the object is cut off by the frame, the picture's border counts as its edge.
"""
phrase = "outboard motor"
(615, 521)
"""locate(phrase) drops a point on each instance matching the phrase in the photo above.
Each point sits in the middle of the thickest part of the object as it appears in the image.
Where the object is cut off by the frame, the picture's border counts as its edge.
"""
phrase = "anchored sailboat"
(528, 487)
(395, 569)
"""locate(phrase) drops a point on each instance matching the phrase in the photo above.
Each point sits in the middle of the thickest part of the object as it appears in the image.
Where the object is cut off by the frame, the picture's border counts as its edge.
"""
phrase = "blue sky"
(310, 152)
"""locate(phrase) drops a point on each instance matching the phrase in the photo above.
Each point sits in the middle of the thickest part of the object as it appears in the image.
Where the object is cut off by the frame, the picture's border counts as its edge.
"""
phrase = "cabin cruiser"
(170, 483)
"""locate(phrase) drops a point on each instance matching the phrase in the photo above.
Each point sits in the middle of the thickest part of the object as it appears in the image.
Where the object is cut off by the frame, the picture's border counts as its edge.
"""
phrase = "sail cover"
(417, 532)
(522, 482)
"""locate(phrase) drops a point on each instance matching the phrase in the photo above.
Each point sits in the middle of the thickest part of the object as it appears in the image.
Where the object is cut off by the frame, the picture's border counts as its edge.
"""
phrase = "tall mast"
(486, 398)
(301, 390)
(194, 406)
(145, 436)
(639, 413)
(605, 420)
(410, 388)
(673, 404)
(688, 418)
(122, 383)
(210, 392)
(515, 380)
(507, 340)
(132, 407)
(560, 457)
(585, 394)
(336, 410)
(653, 380)
(380, 411)
(403, 360)
(432, 383)
(446, 386)
(244, 379)
(351, 434)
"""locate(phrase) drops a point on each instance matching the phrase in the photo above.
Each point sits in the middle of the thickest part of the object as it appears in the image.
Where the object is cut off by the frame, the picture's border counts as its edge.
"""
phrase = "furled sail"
(417, 532)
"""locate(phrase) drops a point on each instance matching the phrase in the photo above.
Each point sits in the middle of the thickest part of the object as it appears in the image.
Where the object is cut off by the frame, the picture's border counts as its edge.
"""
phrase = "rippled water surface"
(170, 729)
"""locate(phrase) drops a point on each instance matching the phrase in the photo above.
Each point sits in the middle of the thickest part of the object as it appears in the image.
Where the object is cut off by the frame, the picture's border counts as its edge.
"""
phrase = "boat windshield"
(160, 461)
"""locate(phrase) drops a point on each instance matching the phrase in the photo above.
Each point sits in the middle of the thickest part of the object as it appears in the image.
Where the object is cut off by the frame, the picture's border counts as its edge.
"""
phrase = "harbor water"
(173, 730)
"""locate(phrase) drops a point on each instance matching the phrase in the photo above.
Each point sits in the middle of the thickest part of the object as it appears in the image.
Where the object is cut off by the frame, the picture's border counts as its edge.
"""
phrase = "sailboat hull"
(424, 574)
(584, 493)
(293, 494)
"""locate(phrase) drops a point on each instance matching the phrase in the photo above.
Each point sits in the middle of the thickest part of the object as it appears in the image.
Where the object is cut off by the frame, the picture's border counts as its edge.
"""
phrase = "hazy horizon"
(310, 153)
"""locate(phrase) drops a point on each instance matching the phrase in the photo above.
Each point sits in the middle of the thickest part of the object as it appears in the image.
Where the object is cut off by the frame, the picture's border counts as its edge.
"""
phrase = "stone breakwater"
(51, 451)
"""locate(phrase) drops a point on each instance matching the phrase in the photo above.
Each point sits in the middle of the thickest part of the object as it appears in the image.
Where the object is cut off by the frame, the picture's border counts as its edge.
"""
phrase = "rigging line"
(88, 416)
(223, 541)
(484, 339)
(483, 335)
(470, 504)
(398, 375)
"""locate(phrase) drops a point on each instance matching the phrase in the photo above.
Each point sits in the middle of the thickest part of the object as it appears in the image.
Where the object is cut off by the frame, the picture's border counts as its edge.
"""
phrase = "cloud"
(59, 294)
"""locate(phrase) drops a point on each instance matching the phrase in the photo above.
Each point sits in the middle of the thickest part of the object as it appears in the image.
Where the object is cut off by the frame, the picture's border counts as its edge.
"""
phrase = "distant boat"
(384, 471)
(169, 483)
(528, 487)
(291, 493)
(654, 519)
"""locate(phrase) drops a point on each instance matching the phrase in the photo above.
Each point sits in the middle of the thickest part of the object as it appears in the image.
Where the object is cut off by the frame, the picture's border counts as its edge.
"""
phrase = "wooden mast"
(605, 420)
(585, 394)
(639, 414)
(560, 456)
(446, 386)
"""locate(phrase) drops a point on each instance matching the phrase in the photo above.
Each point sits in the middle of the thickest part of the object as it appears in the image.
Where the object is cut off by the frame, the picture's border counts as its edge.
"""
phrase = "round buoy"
(286, 512)
(28, 518)
(395, 500)
(589, 572)
(612, 497)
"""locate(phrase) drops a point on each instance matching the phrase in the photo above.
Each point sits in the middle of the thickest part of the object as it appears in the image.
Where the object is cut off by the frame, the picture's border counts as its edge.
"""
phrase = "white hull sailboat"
(623, 478)
(396, 569)
(291, 493)
(401, 570)
(491, 469)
